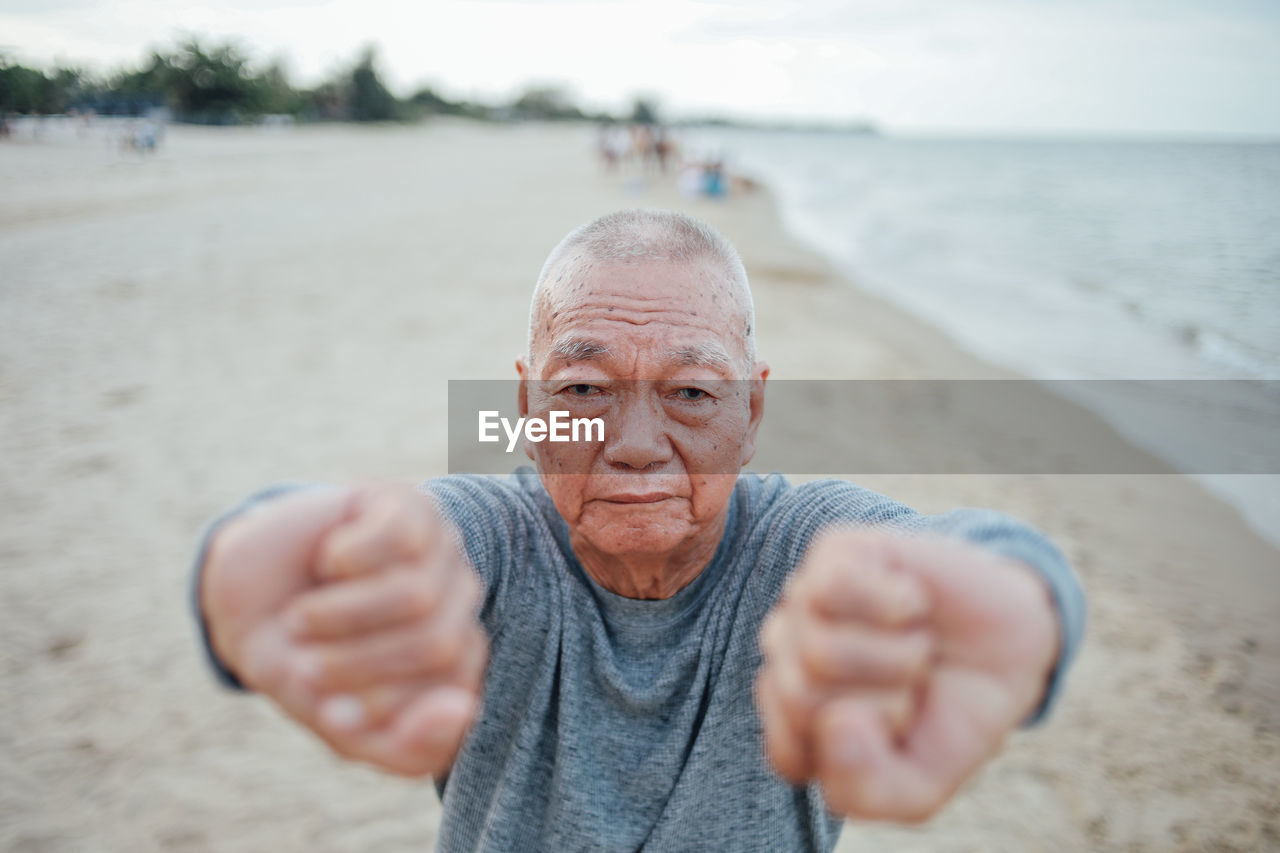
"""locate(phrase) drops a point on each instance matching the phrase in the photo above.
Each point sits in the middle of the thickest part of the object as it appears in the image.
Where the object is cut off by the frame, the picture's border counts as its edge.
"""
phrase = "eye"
(580, 389)
(691, 394)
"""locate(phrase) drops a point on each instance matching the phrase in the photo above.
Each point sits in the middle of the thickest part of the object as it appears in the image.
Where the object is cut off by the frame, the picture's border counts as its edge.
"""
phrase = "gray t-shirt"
(611, 723)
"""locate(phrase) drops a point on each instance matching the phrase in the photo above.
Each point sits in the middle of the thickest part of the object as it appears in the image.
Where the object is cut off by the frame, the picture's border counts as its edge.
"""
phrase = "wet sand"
(250, 306)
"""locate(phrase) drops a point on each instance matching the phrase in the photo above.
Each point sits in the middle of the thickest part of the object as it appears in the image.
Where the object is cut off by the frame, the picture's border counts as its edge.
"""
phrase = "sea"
(1061, 259)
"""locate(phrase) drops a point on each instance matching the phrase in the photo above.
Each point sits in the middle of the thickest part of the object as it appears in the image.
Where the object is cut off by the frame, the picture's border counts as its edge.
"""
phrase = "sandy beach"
(250, 306)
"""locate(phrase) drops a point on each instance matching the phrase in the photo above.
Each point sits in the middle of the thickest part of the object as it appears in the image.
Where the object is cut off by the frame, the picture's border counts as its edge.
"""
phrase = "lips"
(639, 498)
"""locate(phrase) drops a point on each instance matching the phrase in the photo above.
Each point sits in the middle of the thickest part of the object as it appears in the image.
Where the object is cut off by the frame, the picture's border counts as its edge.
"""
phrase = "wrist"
(211, 604)
(1045, 644)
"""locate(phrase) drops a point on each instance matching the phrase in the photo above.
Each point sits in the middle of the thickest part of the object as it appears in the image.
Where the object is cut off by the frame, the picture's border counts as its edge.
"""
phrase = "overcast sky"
(1078, 66)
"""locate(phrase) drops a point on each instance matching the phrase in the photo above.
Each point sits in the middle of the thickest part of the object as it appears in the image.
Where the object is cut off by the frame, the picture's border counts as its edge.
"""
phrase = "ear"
(522, 371)
(522, 399)
(759, 374)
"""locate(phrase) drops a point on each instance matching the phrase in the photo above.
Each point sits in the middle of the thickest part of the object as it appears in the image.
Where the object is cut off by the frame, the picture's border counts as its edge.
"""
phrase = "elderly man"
(637, 646)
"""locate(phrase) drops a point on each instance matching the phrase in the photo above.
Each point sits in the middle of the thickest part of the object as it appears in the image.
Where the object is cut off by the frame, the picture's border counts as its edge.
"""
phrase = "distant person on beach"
(709, 178)
(635, 645)
(664, 148)
(613, 144)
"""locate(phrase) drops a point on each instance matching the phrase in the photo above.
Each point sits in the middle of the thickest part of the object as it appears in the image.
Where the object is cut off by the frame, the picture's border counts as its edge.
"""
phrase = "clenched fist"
(354, 611)
(895, 667)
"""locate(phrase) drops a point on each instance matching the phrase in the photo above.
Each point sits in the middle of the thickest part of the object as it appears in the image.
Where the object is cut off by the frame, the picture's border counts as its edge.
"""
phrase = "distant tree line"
(218, 84)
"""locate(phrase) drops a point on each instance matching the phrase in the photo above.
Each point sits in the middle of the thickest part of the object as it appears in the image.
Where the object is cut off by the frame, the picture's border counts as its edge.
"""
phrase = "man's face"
(657, 351)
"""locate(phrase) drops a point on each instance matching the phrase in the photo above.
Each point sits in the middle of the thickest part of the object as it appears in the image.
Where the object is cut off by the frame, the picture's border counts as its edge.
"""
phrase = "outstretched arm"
(353, 610)
(896, 666)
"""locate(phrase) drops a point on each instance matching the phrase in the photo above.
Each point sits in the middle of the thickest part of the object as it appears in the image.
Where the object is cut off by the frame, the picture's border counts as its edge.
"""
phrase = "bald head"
(632, 238)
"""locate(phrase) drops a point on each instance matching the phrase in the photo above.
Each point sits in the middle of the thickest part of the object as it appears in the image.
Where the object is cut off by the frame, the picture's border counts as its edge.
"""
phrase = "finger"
(774, 641)
(272, 665)
(797, 694)
(422, 740)
(390, 526)
(430, 731)
(802, 702)
(783, 745)
(863, 775)
(363, 604)
(853, 575)
(849, 654)
(409, 651)
(345, 713)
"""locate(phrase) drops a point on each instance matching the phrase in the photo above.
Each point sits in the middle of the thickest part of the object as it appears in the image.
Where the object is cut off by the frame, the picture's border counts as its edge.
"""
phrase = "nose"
(638, 438)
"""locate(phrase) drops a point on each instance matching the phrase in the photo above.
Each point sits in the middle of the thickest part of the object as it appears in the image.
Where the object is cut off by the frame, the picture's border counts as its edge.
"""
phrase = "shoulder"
(780, 521)
(518, 497)
(495, 516)
(508, 529)
(516, 491)
(774, 501)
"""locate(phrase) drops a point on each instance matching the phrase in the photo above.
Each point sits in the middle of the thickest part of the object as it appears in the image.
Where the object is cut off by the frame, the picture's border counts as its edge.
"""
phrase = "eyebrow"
(701, 355)
(579, 349)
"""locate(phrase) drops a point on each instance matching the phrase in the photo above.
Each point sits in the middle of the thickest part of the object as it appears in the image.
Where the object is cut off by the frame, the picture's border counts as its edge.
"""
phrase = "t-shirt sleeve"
(845, 503)
(498, 527)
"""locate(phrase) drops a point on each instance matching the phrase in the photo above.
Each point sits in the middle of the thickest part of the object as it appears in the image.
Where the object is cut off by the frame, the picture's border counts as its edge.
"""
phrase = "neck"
(651, 576)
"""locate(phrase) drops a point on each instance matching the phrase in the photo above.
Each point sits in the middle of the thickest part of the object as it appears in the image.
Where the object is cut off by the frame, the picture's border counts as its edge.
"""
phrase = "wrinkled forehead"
(645, 309)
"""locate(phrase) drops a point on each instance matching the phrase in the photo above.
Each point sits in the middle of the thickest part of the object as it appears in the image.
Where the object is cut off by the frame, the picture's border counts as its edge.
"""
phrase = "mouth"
(638, 498)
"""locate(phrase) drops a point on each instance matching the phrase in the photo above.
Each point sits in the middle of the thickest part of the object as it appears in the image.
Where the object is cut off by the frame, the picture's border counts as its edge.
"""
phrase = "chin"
(631, 530)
